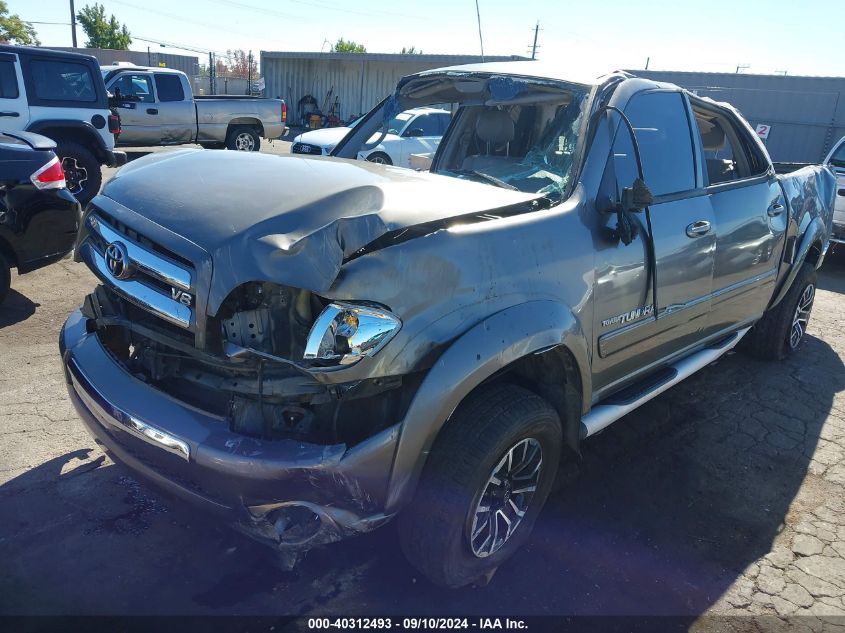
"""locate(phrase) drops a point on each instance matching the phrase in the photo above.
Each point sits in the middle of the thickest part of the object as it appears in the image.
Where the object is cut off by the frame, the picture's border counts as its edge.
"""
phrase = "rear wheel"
(781, 330)
(5, 276)
(379, 158)
(243, 138)
(82, 170)
(486, 480)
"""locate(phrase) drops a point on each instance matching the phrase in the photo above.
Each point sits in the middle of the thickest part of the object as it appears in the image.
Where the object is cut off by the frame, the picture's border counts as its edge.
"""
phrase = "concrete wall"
(358, 80)
(806, 114)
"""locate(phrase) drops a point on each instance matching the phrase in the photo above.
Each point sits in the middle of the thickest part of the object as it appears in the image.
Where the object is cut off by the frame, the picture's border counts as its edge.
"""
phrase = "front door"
(136, 104)
(632, 329)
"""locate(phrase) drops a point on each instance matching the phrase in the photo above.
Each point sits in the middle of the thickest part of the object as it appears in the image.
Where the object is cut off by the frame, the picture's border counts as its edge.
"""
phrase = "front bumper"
(266, 489)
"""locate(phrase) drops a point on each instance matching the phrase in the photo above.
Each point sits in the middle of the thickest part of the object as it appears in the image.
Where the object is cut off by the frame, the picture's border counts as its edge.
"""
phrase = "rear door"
(14, 112)
(750, 214)
(176, 112)
(136, 104)
(632, 330)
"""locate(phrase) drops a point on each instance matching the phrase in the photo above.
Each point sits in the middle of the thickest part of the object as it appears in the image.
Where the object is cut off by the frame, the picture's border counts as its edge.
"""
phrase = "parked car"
(359, 342)
(39, 217)
(416, 131)
(836, 161)
(158, 107)
(62, 96)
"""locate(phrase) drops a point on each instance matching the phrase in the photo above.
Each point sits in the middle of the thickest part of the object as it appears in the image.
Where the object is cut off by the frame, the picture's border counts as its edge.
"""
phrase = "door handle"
(775, 209)
(697, 229)
(152, 111)
(14, 114)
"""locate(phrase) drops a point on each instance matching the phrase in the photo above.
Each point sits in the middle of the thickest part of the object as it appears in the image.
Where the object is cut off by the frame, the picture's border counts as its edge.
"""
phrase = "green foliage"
(410, 51)
(14, 30)
(344, 46)
(103, 33)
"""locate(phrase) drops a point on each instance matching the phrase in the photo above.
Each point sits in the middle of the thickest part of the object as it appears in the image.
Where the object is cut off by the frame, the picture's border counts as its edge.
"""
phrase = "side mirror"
(414, 132)
(636, 197)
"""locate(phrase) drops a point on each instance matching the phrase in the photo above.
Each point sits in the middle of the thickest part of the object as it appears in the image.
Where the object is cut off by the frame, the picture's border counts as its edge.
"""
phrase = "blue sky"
(800, 37)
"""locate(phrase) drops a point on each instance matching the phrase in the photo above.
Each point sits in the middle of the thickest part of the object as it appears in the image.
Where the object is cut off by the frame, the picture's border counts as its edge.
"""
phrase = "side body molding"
(492, 344)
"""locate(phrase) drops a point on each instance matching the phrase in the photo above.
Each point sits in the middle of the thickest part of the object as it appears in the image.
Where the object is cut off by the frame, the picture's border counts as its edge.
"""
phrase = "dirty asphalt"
(725, 495)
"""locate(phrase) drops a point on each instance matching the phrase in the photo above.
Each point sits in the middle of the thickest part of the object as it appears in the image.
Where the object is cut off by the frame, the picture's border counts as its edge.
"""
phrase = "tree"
(344, 46)
(240, 65)
(103, 33)
(410, 51)
(14, 30)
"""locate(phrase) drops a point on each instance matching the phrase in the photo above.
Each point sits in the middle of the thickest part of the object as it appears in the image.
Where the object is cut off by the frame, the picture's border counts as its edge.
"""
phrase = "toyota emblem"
(117, 260)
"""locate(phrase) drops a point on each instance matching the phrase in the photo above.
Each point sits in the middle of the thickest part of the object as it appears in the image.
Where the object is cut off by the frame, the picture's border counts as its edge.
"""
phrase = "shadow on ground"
(16, 308)
(666, 509)
(832, 274)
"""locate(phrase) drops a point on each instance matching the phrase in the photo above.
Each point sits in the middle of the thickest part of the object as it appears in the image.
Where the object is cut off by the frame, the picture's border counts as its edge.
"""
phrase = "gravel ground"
(723, 496)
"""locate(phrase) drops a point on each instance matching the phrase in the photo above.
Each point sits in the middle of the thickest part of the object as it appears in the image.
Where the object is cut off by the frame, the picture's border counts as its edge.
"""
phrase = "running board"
(603, 415)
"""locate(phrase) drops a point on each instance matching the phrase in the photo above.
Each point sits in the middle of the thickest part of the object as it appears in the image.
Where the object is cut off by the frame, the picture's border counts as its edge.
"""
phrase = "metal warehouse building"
(805, 115)
(106, 57)
(357, 80)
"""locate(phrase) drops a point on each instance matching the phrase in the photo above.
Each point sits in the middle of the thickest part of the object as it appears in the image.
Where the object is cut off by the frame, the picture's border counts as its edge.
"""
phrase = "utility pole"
(647, 60)
(480, 38)
(211, 72)
(73, 23)
(534, 47)
(249, 74)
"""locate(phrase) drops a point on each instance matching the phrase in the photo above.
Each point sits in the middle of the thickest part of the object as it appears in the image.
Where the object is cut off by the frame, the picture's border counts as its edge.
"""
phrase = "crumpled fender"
(492, 344)
(815, 233)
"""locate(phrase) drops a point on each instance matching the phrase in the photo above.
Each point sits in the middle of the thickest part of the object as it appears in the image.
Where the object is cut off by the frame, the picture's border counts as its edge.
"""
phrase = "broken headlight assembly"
(344, 333)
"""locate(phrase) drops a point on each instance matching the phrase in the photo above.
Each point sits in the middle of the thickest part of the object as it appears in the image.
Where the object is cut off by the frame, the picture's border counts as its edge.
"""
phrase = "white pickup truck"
(836, 161)
(158, 107)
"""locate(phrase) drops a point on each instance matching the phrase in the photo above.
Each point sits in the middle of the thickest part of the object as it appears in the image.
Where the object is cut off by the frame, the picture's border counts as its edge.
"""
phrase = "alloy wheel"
(506, 497)
(802, 315)
(75, 175)
(244, 142)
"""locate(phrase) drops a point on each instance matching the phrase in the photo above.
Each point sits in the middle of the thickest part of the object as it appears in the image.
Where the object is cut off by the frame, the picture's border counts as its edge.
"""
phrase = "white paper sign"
(763, 130)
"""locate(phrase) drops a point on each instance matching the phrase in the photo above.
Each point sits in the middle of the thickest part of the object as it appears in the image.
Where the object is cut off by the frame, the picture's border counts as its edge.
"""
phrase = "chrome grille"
(153, 282)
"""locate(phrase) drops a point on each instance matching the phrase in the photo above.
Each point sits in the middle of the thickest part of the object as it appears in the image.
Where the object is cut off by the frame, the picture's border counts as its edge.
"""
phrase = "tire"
(82, 170)
(435, 529)
(774, 336)
(243, 138)
(379, 158)
(5, 277)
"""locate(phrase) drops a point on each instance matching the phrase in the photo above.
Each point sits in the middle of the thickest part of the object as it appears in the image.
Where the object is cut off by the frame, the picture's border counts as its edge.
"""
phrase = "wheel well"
(82, 137)
(253, 123)
(554, 376)
(814, 254)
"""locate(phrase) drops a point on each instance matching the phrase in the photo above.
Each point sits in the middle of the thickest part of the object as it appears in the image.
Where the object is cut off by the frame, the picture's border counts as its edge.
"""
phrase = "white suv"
(62, 96)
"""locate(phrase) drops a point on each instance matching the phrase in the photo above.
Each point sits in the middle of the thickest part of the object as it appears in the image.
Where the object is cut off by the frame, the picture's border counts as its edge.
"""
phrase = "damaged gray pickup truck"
(312, 346)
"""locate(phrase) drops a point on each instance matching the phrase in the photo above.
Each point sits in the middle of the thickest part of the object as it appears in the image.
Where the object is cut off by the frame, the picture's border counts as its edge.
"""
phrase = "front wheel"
(379, 158)
(781, 330)
(82, 171)
(487, 478)
(243, 139)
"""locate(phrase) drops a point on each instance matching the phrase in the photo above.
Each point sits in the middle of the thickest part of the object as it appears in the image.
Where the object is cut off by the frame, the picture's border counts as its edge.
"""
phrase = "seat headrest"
(495, 126)
(712, 135)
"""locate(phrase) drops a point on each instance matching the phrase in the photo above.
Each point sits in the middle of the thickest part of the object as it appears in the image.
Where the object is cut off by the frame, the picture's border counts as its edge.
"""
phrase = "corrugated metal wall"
(106, 57)
(806, 114)
(358, 81)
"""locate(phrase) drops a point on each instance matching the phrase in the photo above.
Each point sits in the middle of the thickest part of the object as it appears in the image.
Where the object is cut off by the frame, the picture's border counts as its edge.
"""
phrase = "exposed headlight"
(345, 333)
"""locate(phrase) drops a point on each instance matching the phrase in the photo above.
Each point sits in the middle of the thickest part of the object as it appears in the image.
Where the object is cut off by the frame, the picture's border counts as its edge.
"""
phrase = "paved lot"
(725, 495)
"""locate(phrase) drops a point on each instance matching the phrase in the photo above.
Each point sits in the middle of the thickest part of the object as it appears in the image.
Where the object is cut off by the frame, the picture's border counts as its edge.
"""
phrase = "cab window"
(8, 81)
(134, 88)
(169, 88)
(728, 155)
(838, 158)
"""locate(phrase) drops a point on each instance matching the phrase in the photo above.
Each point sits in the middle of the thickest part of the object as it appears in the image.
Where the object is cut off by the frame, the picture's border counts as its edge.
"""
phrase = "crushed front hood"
(289, 219)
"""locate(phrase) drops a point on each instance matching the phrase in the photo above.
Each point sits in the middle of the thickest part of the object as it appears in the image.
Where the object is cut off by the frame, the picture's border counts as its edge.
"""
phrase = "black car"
(39, 217)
